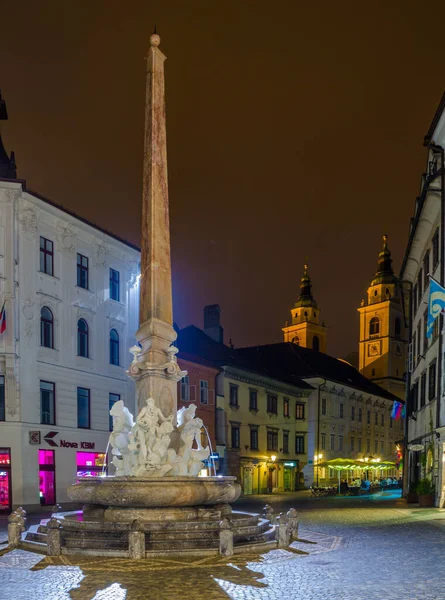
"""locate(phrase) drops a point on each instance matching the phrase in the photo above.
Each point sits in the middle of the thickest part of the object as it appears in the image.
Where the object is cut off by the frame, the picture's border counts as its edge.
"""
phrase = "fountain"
(155, 503)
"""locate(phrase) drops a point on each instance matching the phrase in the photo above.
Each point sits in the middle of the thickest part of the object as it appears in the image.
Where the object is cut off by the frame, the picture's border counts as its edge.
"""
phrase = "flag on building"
(397, 408)
(3, 319)
(436, 304)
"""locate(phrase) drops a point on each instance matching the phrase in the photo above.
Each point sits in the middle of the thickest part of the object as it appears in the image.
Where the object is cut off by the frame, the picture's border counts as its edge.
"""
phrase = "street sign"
(416, 447)
(34, 437)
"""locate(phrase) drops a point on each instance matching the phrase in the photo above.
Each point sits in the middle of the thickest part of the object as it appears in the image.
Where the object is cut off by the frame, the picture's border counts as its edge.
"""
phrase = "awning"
(351, 464)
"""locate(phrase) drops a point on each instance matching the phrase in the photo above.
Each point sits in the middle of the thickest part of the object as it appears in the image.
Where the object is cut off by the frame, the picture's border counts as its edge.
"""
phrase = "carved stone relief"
(66, 235)
(28, 309)
(28, 221)
(101, 252)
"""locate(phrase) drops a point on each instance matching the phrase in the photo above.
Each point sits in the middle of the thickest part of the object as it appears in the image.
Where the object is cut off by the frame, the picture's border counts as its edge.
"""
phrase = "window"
(185, 389)
(332, 442)
(415, 397)
(114, 285)
(2, 398)
(340, 410)
(425, 328)
(272, 403)
(299, 444)
(432, 381)
(352, 413)
(82, 338)
(436, 249)
(82, 271)
(323, 406)
(235, 436)
(233, 396)
(368, 446)
(286, 442)
(368, 417)
(426, 270)
(422, 390)
(286, 407)
(419, 287)
(253, 438)
(419, 339)
(397, 327)
(112, 399)
(382, 448)
(360, 413)
(414, 299)
(253, 400)
(376, 446)
(323, 441)
(383, 420)
(359, 444)
(316, 343)
(272, 439)
(47, 403)
(352, 444)
(83, 408)
(414, 349)
(46, 256)
(203, 391)
(340, 443)
(299, 411)
(376, 418)
(374, 326)
(46, 328)
(114, 347)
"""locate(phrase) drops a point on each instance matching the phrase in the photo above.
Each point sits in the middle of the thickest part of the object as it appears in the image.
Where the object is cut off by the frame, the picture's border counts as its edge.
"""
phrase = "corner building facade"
(70, 292)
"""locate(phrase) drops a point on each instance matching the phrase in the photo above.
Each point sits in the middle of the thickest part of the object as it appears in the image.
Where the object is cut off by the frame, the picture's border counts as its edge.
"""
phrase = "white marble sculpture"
(154, 447)
(120, 437)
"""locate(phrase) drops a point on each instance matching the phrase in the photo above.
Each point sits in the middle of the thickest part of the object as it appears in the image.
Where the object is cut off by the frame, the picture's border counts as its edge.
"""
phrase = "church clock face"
(374, 349)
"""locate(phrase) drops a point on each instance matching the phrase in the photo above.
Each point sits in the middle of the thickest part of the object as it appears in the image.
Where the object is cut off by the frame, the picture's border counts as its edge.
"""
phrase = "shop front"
(5, 480)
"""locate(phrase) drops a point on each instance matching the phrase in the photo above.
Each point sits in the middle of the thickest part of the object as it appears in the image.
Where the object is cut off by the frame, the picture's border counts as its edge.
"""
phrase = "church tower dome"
(8, 169)
(306, 329)
(382, 342)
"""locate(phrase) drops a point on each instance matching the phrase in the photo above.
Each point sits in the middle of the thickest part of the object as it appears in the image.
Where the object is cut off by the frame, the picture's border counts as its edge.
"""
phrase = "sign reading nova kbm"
(49, 439)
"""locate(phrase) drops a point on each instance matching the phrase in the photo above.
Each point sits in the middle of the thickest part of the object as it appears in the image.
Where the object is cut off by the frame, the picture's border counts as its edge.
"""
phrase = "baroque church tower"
(7, 163)
(383, 343)
(306, 329)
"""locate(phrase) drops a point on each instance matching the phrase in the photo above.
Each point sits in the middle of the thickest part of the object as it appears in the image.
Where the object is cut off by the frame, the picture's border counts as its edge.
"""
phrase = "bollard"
(136, 541)
(53, 537)
(282, 531)
(225, 538)
(292, 524)
(15, 523)
(268, 513)
(22, 513)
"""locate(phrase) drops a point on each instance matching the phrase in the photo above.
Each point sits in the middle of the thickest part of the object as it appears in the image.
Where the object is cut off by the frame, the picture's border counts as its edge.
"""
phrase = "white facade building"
(424, 258)
(70, 292)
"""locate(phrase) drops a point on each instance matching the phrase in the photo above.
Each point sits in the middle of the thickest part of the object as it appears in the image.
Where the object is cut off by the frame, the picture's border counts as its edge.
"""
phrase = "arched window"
(46, 328)
(114, 347)
(374, 326)
(397, 327)
(296, 340)
(316, 343)
(82, 338)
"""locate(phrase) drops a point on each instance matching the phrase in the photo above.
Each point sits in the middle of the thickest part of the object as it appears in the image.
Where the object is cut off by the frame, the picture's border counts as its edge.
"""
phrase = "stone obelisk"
(154, 367)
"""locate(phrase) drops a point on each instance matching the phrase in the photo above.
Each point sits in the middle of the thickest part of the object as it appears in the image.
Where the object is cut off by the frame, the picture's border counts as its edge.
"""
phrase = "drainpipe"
(409, 324)
(318, 425)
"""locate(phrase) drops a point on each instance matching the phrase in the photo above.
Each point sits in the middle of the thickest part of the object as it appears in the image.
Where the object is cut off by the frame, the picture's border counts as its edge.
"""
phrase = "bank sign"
(59, 443)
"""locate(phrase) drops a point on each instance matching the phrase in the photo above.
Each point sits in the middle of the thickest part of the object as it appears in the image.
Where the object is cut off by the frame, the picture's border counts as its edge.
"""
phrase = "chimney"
(212, 327)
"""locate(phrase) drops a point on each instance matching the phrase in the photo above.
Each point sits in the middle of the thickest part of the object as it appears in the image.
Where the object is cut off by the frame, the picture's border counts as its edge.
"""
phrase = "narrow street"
(348, 549)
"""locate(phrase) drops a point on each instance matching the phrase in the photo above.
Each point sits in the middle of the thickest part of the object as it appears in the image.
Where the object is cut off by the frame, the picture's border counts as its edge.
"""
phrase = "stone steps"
(99, 543)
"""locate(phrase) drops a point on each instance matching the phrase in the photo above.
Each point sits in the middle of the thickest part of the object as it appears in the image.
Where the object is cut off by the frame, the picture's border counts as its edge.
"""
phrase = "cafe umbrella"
(353, 464)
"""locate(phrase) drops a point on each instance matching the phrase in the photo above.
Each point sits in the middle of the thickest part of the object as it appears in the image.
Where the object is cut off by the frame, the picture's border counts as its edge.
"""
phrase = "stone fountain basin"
(156, 492)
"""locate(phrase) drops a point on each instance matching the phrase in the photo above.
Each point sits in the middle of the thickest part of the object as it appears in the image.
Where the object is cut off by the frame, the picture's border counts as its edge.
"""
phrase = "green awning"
(351, 464)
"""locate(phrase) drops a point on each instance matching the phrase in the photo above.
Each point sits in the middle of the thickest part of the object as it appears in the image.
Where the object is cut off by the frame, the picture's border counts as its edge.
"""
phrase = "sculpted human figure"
(190, 427)
(120, 437)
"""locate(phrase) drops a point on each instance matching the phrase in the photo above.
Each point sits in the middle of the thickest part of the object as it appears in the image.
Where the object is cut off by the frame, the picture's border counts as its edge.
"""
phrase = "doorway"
(47, 477)
(5, 480)
(247, 480)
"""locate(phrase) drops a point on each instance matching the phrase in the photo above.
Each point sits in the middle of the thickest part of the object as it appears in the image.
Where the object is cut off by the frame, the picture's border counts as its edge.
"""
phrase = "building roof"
(307, 363)
(192, 340)
(22, 182)
(427, 139)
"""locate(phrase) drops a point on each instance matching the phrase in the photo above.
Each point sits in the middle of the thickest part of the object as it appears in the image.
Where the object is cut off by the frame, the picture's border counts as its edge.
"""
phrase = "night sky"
(294, 129)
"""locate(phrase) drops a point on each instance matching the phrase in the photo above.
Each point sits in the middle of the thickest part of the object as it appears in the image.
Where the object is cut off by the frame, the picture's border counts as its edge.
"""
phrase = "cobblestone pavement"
(356, 549)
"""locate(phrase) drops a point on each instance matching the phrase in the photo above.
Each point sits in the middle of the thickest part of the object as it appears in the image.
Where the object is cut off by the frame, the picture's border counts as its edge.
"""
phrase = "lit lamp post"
(318, 458)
